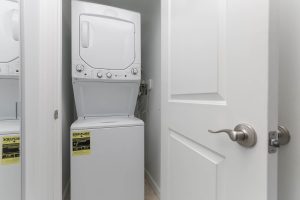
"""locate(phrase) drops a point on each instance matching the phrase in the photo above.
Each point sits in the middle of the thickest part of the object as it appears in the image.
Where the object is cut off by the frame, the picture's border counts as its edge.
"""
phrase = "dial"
(134, 71)
(99, 75)
(108, 75)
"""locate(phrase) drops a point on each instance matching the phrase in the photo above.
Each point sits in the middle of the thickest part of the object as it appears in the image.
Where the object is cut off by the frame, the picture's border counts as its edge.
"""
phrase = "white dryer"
(10, 166)
(107, 142)
(9, 39)
(106, 59)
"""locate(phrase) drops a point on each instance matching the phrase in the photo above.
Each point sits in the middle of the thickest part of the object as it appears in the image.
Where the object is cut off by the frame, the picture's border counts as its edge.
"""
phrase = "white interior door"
(218, 72)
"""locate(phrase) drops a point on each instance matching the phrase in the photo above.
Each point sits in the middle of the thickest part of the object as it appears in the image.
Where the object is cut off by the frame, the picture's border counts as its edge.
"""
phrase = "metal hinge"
(143, 89)
(278, 138)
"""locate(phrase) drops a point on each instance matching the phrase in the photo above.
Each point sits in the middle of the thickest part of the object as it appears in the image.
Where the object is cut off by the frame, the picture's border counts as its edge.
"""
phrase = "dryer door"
(107, 43)
(9, 31)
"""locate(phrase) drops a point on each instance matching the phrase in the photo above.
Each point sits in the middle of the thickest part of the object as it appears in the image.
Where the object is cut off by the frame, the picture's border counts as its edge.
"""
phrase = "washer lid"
(106, 122)
(106, 42)
(9, 31)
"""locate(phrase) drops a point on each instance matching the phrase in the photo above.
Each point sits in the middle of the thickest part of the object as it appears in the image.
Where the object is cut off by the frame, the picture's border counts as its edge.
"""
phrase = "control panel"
(11, 69)
(83, 71)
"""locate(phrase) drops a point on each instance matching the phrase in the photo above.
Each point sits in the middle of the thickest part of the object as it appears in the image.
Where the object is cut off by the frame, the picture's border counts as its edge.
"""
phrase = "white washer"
(107, 142)
(114, 169)
(10, 163)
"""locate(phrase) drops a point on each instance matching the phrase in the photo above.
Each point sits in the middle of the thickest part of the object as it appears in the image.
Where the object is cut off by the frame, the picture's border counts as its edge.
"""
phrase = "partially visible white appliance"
(10, 167)
(106, 59)
(9, 38)
(107, 141)
(9, 59)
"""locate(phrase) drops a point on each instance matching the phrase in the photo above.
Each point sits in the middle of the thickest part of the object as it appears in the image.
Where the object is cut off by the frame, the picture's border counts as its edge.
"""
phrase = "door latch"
(278, 138)
(55, 114)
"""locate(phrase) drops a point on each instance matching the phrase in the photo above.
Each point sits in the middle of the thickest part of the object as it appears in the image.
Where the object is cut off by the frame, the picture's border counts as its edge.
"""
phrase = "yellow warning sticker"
(10, 150)
(81, 143)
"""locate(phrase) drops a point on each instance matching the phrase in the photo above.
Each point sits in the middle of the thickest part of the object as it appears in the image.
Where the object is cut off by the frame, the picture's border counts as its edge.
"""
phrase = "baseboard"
(66, 192)
(152, 183)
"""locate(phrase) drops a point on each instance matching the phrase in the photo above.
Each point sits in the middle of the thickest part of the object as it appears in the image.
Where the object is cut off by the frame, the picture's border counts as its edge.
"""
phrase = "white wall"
(151, 45)
(151, 62)
(289, 93)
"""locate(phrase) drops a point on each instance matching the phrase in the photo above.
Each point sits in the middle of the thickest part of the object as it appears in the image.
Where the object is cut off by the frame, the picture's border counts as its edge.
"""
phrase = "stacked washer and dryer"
(10, 166)
(107, 141)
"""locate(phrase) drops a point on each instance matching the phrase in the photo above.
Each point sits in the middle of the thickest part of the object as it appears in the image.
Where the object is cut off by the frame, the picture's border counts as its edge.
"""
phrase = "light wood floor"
(149, 192)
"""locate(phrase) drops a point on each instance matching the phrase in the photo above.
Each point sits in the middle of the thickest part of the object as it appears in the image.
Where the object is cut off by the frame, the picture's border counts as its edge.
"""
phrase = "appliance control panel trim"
(11, 69)
(83, 71)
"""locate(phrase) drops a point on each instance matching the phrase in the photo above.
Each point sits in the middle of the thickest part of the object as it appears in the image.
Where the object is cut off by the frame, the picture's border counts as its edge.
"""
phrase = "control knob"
(99, 75)
(79, 68)
(134, 71)
(108, 75)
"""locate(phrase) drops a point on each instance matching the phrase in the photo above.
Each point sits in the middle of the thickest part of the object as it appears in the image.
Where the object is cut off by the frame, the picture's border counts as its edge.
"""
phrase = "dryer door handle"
(85, 34)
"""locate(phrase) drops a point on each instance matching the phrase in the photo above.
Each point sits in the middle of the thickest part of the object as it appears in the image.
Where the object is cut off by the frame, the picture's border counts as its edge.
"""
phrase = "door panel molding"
(203, 151)
(205, 80)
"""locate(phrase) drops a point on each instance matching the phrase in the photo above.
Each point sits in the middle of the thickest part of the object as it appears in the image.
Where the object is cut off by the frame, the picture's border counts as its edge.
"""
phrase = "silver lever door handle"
(234, 135)
(244, 134)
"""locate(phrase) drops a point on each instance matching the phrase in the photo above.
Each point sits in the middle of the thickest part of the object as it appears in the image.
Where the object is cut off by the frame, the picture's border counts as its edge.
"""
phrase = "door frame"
(164, 95)
(41, 35)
